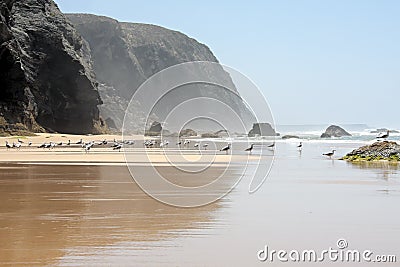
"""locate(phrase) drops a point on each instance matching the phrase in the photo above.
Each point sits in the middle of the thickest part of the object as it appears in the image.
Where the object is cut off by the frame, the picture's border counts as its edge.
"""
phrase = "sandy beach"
(104, 154)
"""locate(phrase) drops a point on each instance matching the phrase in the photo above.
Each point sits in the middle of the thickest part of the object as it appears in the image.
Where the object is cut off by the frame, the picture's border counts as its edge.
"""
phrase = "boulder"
(334, 131)
(262, 129)
(188, 133)
(377, 151)
(155, 129)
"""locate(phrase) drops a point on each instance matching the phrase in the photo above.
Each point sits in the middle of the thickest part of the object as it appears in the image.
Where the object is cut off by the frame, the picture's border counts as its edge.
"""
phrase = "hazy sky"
(315, 61)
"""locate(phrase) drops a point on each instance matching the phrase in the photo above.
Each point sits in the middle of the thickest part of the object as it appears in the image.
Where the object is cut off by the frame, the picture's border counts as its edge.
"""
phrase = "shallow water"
(96, 215)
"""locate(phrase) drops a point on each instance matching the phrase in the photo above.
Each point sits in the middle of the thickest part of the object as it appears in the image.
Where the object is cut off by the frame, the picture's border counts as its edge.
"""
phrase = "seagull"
(205, 146)
(130, 142)
(383, 136)
(30, 143)
(300, 146)
(330, 154)
(42, 145)
(118, 147)
(60, 144)
(179, 143)
(88, 147)
(80, 142)
(272, 146)
(226, 148)
(8, 146)
(17, 145)
(186, 143)
(250, 148)
(196, 145)
(69, 143)
(105, 142)
(19, 141)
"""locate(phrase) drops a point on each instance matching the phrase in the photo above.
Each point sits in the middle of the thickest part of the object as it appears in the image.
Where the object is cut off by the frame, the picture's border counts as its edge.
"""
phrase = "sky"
(316, 62)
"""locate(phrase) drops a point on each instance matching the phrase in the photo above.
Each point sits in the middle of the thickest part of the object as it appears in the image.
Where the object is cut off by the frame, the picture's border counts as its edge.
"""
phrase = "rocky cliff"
(126, 54)
(46, 80)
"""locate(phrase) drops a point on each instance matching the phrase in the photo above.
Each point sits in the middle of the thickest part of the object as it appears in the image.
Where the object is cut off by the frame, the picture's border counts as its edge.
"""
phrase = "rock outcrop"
(46, 80)
(334, 131)
(188, 133)
(126, 54)
(385, 150)
(155, 129)
(262, 129)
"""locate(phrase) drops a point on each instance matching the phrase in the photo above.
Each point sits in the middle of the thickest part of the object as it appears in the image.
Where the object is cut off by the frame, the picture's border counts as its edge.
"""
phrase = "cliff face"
(126, 54)
(46, 80)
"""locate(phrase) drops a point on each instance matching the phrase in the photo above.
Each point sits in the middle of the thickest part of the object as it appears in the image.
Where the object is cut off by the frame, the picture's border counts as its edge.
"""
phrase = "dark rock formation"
(188, 133)
(46, 81)
(218, 134)
(290, 137)
(126, 54)
(334, 131)
(155, 129)
(377, 151)
(209, 135)
(262, 129)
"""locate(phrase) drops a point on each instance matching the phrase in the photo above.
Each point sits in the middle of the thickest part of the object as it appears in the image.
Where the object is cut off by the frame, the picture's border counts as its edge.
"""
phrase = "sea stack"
(334, 131)
(262, 129)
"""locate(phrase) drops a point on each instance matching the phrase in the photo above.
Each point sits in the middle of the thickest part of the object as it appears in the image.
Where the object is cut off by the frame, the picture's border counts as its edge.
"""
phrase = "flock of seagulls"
(118, 145)
(86, 146)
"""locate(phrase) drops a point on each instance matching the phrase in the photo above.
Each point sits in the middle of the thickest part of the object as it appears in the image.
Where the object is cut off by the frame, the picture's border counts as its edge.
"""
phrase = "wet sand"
(86, 215)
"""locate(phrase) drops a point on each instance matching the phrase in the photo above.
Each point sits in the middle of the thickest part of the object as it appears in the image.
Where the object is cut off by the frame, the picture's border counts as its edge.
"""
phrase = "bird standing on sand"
(20, 141)
(30, 143)
(205, 146)
(69, 143)
(80, 142)
(300, 146)
(118, 147)
(186, 143)
(8, 146)
(250, 149)
(88, 146)
(17, 145)
(272, 146)
(42, 145)
(330, 154)
(196, 145)
(383, 136)
(226, 148)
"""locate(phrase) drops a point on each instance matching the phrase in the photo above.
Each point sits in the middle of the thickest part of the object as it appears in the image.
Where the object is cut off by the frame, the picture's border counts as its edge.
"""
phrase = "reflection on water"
(384, 169)
(46, 210)
(90, 216)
